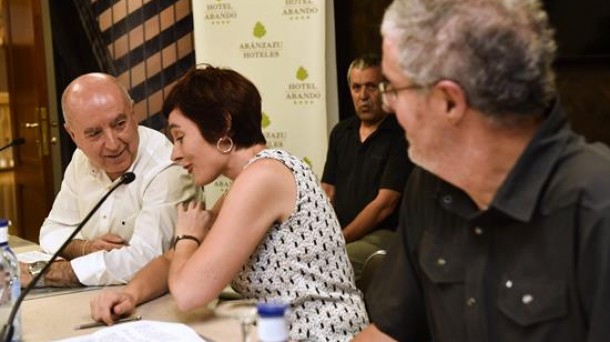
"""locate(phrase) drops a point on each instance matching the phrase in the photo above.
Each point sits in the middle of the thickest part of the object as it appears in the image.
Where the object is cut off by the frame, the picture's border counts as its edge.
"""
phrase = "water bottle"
(10, 285)
(272, 325)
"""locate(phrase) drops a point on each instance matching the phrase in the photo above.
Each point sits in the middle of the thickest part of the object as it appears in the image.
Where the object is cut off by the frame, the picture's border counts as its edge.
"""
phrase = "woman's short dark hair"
(221, 102)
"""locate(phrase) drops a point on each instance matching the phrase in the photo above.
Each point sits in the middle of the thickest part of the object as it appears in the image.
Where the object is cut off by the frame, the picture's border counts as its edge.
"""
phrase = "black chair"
(369, 269)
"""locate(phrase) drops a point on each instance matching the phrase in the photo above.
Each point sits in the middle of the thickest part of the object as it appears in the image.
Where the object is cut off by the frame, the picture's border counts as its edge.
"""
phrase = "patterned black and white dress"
(303, 262)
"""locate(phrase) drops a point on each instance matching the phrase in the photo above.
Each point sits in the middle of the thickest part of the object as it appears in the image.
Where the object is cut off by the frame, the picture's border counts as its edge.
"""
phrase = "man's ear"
(454, 97)
(69, 130)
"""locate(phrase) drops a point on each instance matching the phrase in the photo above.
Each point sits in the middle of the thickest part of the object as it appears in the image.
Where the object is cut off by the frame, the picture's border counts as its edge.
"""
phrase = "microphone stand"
(15, 142)
(8, 329)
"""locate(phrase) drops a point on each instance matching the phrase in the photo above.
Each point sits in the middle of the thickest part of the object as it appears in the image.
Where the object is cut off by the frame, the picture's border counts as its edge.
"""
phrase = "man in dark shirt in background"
(366, 166)
(504, 229)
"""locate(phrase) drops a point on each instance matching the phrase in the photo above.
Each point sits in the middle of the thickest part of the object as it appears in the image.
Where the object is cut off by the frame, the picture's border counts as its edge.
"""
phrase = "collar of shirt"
(519, 195)
(388, 124)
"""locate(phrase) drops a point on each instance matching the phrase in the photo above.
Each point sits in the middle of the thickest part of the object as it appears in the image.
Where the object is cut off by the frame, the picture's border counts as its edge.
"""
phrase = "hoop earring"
(224, 141)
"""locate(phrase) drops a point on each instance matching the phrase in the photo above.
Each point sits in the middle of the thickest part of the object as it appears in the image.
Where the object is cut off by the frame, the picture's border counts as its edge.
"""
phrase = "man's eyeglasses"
(389, 94)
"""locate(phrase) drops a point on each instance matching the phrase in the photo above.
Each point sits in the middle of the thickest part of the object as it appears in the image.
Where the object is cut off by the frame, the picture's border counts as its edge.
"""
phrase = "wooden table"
(53, 317)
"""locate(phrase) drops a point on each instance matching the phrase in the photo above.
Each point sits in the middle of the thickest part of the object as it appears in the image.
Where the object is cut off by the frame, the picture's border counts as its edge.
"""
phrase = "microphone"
(15, 142)
(8, 329)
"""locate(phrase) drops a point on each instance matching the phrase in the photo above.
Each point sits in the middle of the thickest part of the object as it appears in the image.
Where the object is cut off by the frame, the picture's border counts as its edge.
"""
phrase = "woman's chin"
(203, 180)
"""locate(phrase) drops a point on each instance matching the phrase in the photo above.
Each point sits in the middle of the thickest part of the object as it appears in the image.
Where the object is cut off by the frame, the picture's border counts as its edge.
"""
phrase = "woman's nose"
(176, 154)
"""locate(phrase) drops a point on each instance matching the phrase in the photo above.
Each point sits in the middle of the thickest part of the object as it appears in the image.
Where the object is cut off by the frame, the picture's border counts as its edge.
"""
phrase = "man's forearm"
(75, 249)
(61, 274)
(365, 222)
(360, 226)
(373, 214)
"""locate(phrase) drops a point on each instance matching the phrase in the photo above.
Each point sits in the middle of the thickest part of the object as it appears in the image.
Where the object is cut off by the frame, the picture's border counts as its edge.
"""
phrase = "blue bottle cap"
(3, 222)
(271, 309)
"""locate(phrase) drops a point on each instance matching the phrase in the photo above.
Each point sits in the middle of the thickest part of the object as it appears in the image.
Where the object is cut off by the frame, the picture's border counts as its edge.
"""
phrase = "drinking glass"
(243, 310)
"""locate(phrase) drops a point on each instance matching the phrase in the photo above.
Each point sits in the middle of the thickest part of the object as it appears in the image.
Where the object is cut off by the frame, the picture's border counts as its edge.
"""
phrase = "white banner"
(282, 47)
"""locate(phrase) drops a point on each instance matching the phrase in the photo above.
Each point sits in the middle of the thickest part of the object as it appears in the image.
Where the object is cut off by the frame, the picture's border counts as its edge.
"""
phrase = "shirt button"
(447, 199)
(478, 230)
(471, 302)
(526, 299)
(441, 262)
(509, 284)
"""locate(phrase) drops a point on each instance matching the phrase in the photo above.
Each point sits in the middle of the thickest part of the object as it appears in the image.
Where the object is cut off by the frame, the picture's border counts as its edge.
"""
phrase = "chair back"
(369, 269)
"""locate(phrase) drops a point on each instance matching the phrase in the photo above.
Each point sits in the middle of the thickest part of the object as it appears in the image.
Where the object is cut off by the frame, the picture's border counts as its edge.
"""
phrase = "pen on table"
(100, 324)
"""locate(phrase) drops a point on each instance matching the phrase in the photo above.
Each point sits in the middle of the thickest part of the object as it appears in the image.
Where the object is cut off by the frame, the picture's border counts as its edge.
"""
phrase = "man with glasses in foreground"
(504, 231)
(366, 166)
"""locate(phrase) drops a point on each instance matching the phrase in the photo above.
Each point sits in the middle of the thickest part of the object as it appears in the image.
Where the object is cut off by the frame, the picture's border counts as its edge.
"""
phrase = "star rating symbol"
(302, 102)
(297, 17)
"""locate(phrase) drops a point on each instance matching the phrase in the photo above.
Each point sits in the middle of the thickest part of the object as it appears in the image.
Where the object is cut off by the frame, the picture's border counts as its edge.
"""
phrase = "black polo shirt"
(535, 266)
(358, 170)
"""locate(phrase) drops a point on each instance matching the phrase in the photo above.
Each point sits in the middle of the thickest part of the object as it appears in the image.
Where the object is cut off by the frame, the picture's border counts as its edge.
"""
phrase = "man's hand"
(107, 242)
(78, 248)
(59, 274)
(26, 277)
(109, 306)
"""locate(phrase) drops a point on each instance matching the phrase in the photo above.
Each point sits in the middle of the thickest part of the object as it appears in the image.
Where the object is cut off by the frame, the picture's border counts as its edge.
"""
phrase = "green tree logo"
(308, 162)
(265, 122)
(259, 30)
(302, 74)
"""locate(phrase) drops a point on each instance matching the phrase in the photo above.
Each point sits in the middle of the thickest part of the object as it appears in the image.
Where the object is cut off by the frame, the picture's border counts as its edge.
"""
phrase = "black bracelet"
(186, 237)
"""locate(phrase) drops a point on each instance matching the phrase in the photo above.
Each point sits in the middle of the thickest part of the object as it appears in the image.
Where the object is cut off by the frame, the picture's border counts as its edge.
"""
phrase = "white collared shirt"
(142, 212)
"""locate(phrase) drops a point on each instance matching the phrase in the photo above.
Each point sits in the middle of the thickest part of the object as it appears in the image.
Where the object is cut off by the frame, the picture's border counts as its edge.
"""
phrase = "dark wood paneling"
(366, 19)
(584, 88)
(357, 32)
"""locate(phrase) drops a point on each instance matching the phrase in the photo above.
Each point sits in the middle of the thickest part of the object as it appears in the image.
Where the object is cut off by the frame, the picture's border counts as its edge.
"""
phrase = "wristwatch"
(35, 268)
(185, 237)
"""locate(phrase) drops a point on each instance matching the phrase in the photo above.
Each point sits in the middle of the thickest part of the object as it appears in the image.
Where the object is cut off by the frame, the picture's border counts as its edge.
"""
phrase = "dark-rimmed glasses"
(389, 94)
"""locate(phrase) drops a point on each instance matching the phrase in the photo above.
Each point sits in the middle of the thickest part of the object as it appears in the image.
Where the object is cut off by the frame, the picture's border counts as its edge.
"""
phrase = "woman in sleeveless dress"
(274, 236)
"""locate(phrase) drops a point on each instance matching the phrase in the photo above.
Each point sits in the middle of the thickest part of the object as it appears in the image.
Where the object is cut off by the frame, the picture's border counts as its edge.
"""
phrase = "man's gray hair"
(499, 51)
(368, 60)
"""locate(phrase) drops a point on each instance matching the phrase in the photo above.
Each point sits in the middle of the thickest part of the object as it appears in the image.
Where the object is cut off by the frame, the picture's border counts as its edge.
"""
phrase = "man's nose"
(112, 141)
(364, 93)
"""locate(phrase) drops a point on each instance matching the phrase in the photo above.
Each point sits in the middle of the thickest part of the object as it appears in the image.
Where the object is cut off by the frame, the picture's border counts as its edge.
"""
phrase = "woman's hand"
(194, 220)
(109, 306)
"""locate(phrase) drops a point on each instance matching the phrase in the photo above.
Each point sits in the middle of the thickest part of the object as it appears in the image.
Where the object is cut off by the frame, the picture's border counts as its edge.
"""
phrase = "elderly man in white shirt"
(136, 223)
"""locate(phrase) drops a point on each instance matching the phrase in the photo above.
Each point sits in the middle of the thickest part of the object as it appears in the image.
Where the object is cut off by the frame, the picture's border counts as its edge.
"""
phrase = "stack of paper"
(33, 256)
(142, 331)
